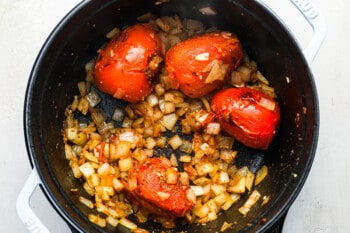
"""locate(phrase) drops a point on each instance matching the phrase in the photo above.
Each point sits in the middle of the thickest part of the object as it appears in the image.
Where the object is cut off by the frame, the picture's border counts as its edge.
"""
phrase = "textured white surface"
(322, 205)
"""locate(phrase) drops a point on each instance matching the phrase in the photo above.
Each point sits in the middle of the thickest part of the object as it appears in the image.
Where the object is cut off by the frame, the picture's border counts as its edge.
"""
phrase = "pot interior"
(60, 65)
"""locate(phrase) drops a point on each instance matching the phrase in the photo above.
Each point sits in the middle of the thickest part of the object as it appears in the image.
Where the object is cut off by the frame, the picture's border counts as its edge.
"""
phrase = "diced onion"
(163, 195)
(112, 221)
(228, 155)
(93, 180)
(128, 224)
(169, 121)
(150, 143)
(125, 164)
(261, 174)
(159, 89)
(86, 169)
(202, 57)
(82, 88)
(238, 185)
(104, 169)
(236, 78)
(90, 156)
(213, 128)
(75, 168)
(127, 136)
(175, 141)
(218, 72)
(201, 211)
(190, 195)
(185, 158)
(162, 25)
(230, 200)
(248, 204)
(204, 168)
(118, 115)
(122, 150)
(197, 190)
(98, 116)
(223, 177)
(207, 11)
(262, 78)
(68, 152)
(245, 73)
(194, 25)
(249, 180)
(184, 178)
(93, 98)
(97, 220)
(196, 105)
(152, 100)
(225, 226)
(86, 202)
(102, 208)
(225, 142)
(171, 176)
(265, 200)
(90, 190)
(186, 147)
(267, 103)
(217, 189)
(161, 142)
(112, 33)
(117, 185)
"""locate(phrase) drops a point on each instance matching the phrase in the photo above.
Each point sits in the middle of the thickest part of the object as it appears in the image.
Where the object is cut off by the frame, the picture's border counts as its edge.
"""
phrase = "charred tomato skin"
(188, 63)
(241, 114)
(150, 176)
(123, 69)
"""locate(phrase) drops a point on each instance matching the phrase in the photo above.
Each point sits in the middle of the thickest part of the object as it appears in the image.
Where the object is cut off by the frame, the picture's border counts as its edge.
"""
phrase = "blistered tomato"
(155, 192)
(248, 115)
(202, 63)
(126, 66)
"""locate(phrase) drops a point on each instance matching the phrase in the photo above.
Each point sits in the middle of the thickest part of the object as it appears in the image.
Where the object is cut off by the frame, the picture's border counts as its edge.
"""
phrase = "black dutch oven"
(60, 65)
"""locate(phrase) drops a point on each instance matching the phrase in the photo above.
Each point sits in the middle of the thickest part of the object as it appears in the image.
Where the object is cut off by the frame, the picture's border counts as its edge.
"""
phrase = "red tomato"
(126, 66)
(154, 193)
(248, 115)
(202, 63)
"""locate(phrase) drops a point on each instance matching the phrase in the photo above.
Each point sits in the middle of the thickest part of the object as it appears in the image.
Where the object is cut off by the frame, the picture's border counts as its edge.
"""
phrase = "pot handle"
(317, 22)
(24, 211)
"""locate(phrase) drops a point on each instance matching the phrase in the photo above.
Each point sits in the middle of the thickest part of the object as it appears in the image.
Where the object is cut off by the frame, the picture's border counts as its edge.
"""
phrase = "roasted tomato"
(158, 189)
(126, 66)
(202, 63)
(248, 115)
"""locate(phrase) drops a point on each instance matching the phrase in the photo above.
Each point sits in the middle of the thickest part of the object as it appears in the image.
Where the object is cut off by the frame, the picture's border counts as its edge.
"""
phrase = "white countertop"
(322, 205)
